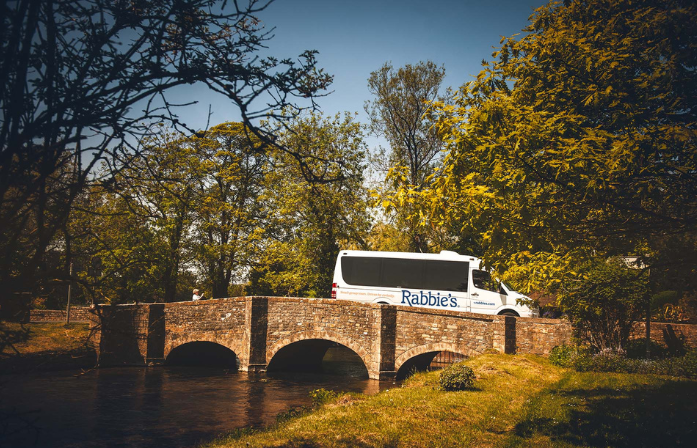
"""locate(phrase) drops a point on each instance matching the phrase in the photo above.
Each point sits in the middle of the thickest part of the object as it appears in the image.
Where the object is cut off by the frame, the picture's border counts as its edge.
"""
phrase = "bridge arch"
(420, 357)
(202, 353)
(233, 346)
(318, 335)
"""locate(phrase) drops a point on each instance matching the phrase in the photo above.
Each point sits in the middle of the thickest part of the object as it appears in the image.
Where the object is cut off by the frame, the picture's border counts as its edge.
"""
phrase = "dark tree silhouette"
(82, 82)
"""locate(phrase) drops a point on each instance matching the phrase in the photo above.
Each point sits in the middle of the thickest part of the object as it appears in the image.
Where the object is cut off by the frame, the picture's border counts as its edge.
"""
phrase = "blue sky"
(357, 37)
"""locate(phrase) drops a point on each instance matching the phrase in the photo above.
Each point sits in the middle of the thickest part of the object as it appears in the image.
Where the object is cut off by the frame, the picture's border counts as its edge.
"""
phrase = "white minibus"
(446, 281)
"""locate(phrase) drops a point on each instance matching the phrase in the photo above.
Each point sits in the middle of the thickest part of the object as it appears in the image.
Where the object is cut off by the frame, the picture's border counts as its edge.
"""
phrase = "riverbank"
(517, 401)
(44, 347)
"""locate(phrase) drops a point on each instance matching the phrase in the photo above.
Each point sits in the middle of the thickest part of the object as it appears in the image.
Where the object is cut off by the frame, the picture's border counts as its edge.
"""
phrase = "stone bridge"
(279, 333)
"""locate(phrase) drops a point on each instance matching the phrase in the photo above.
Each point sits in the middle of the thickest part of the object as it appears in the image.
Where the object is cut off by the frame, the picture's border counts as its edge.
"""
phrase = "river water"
(152, 407)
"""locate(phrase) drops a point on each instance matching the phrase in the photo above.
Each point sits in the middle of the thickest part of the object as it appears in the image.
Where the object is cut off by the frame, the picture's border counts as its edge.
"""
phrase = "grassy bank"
(517, 401)
(44, 346)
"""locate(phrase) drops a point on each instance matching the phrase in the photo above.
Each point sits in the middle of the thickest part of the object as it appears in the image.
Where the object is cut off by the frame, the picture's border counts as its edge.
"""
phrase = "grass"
(517, 401)
(44, 346)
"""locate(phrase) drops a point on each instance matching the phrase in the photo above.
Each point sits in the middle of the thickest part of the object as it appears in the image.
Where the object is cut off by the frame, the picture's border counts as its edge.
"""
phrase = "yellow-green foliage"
(456, 377)
(578, 139)
(311, 220)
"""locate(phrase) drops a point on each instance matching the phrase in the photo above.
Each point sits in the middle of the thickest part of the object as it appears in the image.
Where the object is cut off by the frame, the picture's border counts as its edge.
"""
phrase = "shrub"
(604, 302)
(322, 396)
(685, 366)
(636, 349)
(456, 377)
(611, 361)
(565, 355)
(616, 361)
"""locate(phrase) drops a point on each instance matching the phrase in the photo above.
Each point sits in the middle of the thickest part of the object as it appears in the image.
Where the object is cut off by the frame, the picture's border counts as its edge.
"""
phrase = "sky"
(356, 37)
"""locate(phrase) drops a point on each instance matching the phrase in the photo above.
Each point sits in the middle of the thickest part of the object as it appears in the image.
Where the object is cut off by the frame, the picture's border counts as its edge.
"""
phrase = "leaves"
(311, 222)
(578, 140)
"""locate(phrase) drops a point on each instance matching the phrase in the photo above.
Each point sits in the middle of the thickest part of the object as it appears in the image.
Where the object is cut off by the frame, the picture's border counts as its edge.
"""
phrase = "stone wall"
(222, 321)
(77, 314)
(352, 324)
(661, 331)
(539, 336)
(256, 329)
(124, 334)
(423, 330)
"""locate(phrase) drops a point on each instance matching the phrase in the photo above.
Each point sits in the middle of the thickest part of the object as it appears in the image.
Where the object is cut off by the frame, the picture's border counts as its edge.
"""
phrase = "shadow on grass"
(650, 416)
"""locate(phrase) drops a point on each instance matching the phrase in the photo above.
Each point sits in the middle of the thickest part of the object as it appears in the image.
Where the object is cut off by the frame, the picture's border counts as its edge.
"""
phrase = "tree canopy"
(310, 222)
(399, 112)
(577, 140)
(81, 82)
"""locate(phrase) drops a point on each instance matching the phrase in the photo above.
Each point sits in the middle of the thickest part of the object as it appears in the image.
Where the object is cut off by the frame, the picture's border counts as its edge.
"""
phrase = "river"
(171, 406)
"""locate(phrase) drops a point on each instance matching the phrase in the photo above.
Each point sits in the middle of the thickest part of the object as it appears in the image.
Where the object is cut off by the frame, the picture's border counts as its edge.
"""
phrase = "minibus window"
(446, 275)
(405, 273)
(361, 270)
(402, 273)
(483, 280)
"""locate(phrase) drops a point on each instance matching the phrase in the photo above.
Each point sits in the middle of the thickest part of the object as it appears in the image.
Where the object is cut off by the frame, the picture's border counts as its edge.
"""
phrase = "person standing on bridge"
(196, 295)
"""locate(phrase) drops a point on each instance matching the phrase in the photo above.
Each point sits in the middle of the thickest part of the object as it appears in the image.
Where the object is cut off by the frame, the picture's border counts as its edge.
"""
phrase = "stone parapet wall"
(352, 324)
(218, 320)
(423, 330)
(389, 339)
(539, 336)
(661, 331)
(77, 314)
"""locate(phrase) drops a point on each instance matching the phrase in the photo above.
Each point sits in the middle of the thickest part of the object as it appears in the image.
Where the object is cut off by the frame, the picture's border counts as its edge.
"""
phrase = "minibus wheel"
(509, 313)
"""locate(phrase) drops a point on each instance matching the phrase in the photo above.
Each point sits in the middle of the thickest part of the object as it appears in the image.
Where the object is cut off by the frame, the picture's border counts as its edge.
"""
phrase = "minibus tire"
(509, 313)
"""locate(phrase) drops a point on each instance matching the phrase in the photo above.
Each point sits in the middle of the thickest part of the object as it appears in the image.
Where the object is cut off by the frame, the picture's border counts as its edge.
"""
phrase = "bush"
(611, 361)
(685, 366)
(636, 349)
(566, 355)
(582, 360)
(456, 377)
(322, 396)
(605, 302)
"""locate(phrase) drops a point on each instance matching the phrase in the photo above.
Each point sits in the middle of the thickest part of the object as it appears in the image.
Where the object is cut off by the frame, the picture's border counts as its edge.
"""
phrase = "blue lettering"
(424, 299)
(405, 296)
(432, 300)
(427, 298)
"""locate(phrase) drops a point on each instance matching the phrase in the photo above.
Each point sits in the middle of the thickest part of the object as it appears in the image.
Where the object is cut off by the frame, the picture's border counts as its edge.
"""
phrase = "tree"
(119, 255)
(312, 221)
(231, 212)
(605, 303)
(82, 81)
(158, 194)
(162, 183)
(578, 141)
(399, 112)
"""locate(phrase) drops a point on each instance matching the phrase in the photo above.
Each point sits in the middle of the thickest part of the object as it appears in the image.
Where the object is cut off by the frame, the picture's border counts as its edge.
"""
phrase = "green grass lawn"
(517, 401)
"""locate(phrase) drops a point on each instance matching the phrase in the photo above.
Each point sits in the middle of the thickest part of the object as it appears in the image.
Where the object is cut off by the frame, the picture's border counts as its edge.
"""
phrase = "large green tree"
(119, 256)
(310, 221)
(400, 113)
(157, 192)
(231, 213)
(82, 81)
(579, 139)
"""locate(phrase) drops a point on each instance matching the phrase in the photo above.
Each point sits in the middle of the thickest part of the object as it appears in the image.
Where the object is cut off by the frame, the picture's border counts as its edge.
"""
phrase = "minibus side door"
(485, 295)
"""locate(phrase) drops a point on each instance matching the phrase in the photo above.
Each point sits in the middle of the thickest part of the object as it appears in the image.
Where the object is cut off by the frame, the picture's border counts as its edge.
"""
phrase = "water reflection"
(163, 406)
